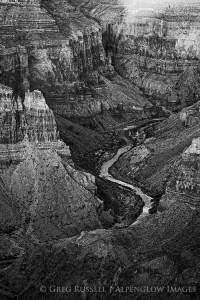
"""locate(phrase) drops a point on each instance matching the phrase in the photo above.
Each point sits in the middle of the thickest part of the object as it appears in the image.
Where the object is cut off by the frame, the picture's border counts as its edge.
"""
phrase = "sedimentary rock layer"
(40, 188)
(52, 46)
(151, 45)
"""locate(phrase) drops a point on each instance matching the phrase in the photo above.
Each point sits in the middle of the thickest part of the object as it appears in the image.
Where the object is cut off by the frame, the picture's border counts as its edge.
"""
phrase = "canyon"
(152, 46)
(99, 149)
(34, 169)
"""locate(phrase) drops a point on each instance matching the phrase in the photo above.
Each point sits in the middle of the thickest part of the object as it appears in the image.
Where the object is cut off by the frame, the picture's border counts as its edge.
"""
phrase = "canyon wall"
(54, 48)
(71, 50)
(39, 185)
(152, 46)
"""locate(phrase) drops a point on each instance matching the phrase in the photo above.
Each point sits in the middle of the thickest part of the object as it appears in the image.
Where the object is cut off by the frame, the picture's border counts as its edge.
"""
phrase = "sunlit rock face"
(30, 121)
(32, 118)
(41, 124)
(194, 148)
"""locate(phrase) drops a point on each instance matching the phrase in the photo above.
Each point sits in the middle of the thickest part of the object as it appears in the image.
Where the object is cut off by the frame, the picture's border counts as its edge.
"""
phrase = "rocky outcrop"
(42, 193)
(32, 118)
(54, 202)
(40, 121)
(184, 183)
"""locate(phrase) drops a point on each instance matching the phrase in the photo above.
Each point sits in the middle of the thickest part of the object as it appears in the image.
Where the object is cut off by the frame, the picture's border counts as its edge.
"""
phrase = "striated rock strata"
(151, 44)
(42, 193)
(54, 47)
(11, 117)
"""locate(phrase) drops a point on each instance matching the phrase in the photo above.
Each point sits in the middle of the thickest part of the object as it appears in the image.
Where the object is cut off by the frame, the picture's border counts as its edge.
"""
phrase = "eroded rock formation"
(151, 45)
(150, 164)
(54, 47)
(184, 183)
(67, 49)
(11, 117)
(43, 193)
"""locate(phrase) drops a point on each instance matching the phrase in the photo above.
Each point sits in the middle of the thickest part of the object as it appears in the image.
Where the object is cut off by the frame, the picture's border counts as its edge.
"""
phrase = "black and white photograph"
(99, 149)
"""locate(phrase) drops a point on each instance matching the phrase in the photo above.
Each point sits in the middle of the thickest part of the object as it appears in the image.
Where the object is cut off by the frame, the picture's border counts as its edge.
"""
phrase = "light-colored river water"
(104, 173)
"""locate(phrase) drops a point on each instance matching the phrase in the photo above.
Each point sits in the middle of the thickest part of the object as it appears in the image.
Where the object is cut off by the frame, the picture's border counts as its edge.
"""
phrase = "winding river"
(104, 173)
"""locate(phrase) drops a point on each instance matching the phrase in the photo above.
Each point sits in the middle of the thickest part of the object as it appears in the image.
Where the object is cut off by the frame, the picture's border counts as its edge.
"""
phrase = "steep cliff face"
(13, 61)
(50, 61)
(151, 44)
(11, 117)
(41, 192)
(54, 47)
(32, 29)
(32, 118)
(40, 121)
(57, 47)
(91, 67)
